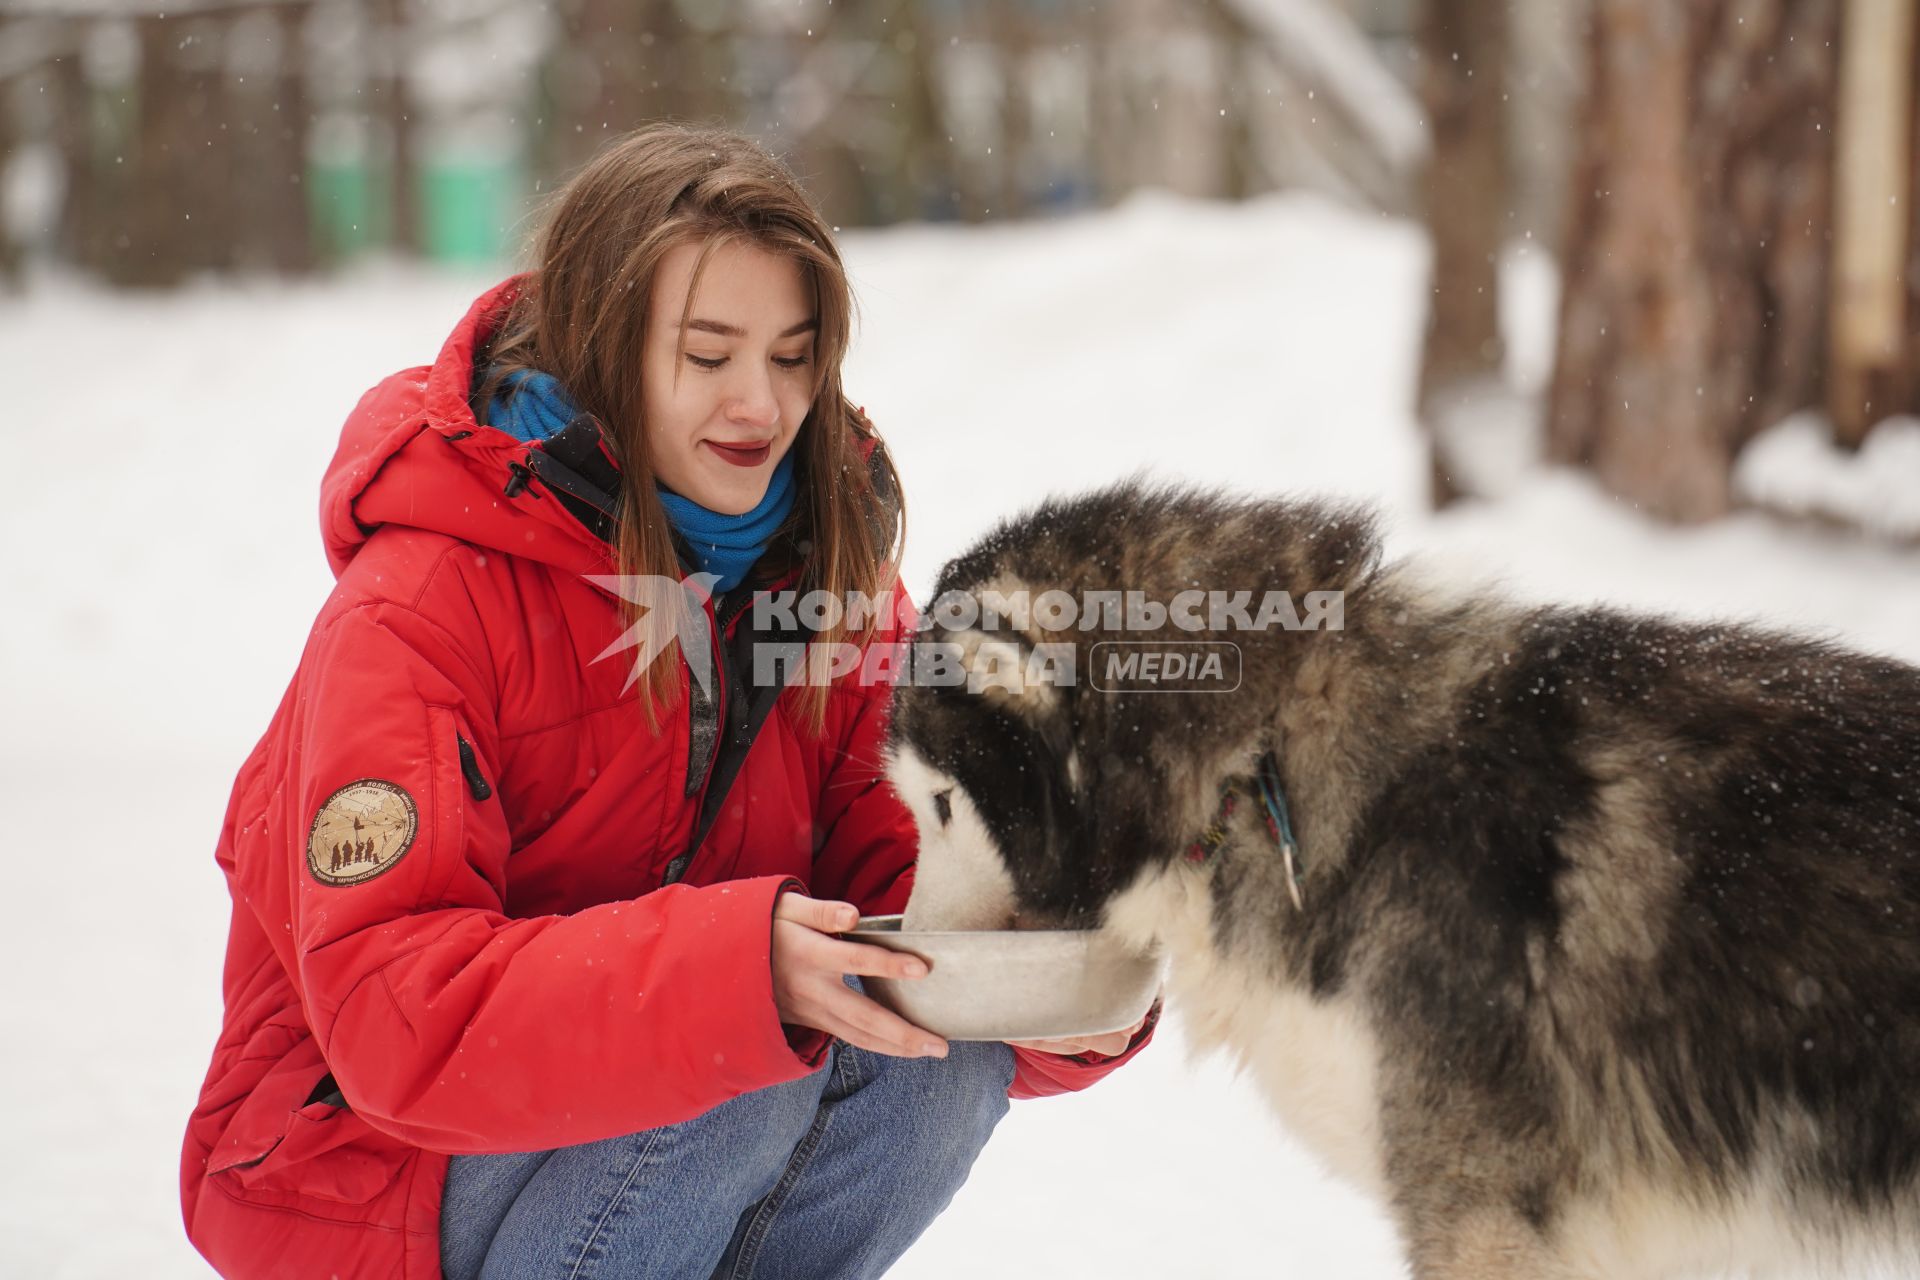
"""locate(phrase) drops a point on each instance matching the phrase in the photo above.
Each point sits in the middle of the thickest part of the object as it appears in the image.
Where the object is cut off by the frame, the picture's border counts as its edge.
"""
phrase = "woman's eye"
(714, 362)
(943, 807)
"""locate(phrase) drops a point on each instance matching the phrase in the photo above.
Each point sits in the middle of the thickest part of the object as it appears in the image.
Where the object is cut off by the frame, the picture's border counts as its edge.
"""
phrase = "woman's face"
(720, 415)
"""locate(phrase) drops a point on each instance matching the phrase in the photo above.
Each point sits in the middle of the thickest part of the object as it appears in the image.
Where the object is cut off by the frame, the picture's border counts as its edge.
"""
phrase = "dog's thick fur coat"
(1609, 963)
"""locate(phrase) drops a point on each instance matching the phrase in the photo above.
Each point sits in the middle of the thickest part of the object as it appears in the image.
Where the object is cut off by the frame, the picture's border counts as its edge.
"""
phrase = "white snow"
(1795, 467)
(160, 563)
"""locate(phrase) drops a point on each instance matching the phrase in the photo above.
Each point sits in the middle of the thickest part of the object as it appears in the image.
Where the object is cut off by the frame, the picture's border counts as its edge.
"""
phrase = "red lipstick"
(741, 455)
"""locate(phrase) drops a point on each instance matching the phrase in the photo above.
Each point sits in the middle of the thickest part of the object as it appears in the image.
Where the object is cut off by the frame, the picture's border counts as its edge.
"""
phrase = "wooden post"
(1873, 184)
(1913, 240)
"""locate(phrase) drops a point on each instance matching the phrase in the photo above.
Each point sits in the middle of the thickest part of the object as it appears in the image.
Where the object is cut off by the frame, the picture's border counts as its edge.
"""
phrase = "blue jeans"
(832, 1175)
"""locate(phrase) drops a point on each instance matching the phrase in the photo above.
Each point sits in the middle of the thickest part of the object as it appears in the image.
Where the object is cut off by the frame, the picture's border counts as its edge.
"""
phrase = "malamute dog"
(1590, 941)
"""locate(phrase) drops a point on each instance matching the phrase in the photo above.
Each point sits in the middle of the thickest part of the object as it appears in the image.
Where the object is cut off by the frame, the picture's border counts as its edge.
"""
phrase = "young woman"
(532, 966)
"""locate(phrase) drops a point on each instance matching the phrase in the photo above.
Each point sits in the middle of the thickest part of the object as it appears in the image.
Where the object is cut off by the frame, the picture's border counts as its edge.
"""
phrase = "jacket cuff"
(809, 1044)
(1046, 1075)
(745, 966)
(1140, 1038)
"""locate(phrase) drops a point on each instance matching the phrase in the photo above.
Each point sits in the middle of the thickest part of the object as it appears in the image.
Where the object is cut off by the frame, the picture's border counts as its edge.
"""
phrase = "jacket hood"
(412, 453)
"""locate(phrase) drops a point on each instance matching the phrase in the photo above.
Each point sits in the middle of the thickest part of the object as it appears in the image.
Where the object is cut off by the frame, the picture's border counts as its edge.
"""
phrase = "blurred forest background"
(1727, 186)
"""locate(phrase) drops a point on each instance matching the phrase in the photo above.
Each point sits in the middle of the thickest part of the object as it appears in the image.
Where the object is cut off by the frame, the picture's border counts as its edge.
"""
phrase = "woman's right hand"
(809, 967)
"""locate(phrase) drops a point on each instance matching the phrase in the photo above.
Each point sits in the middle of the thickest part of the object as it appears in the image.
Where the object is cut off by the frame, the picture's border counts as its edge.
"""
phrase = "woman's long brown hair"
(582, 315)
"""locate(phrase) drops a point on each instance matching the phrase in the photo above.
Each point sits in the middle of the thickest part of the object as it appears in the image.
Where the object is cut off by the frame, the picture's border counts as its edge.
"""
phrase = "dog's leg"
(1486, 1243)
(1476, 1199)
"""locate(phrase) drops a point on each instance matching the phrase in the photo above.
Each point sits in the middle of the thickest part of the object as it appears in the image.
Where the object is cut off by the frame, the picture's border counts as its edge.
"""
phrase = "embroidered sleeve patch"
(360, 831)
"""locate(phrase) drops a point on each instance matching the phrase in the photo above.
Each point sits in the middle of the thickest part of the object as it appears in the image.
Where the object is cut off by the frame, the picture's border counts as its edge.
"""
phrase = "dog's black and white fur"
(1609, 959)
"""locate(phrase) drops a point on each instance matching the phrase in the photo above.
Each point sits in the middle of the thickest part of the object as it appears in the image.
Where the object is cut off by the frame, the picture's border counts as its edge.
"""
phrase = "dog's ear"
(1031, 683)
(1000, 667)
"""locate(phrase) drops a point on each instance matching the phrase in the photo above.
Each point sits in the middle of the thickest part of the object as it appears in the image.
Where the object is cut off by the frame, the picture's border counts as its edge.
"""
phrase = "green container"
(470, 205)
(349, 204)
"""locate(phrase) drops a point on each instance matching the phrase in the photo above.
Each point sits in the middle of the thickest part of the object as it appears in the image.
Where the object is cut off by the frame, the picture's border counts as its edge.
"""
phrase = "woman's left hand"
(1110, 1044)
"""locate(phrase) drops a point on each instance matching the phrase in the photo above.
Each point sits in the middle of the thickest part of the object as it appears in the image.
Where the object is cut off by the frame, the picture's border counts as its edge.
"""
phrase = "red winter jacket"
(447, 857)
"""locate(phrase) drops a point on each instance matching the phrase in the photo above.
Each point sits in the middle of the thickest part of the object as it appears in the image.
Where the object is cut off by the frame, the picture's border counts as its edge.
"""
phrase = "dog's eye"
(943, 807)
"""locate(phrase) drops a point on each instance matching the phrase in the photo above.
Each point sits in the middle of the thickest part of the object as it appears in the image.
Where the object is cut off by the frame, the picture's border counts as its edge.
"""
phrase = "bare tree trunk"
(1463, 54)
(149, 239)
(704, 86)
(204, 181)
(265, 75)
(1694, 274)
(1013, 38)
(616, 65)
(285, 204)
(923, 159)
(1240, 169)
(81, 232)
(1109, 119)
(393, 107)
(11, 251)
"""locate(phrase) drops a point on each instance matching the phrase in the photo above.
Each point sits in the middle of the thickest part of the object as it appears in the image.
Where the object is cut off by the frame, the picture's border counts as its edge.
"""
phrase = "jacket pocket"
(469, 807)
(281, 1148)
(324, 1152)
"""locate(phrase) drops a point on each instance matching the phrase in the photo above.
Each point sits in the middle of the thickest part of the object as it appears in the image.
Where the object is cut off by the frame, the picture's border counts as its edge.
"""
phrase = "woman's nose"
(753, 403)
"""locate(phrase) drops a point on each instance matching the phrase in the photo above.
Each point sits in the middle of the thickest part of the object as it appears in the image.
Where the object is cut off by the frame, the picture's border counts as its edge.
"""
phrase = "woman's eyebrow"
(726, 330)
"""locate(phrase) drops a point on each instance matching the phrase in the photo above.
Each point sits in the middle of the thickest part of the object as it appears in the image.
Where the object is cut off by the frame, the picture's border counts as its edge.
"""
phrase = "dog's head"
(1042, 792)
(1013, 818)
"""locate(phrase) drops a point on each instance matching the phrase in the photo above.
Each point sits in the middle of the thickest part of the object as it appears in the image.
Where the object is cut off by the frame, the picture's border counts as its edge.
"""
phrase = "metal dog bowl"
(1039, 984)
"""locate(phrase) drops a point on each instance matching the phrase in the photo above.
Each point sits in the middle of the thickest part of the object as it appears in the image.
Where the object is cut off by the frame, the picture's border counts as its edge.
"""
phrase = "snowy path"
(161, 566)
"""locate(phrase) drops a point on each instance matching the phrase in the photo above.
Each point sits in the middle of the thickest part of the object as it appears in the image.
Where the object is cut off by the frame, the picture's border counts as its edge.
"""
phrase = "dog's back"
(1667, 886)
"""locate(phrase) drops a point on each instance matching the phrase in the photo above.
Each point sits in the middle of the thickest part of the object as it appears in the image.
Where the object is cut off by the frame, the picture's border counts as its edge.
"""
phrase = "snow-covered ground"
(1795, 467)
(160, 565)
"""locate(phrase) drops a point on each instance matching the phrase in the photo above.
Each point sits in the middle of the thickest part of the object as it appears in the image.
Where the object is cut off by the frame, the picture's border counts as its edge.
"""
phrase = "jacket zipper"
(678, 867)
(470, 766)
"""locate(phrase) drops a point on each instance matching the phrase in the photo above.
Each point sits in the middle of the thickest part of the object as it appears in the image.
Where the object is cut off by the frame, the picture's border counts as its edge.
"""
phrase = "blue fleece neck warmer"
(533, 406)
(726, 545)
